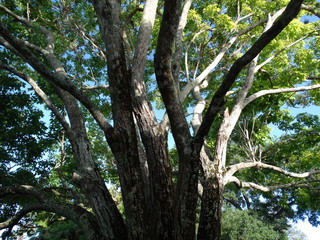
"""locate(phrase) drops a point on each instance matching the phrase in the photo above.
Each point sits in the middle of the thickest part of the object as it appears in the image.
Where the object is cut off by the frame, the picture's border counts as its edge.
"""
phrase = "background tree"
(101, 67)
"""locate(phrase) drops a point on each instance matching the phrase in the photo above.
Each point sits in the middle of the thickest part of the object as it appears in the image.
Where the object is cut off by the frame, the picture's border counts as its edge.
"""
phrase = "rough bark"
(152, 207)
(158, 186)
(211, 209)
(186, 196)
(88, 177)
(123, 140)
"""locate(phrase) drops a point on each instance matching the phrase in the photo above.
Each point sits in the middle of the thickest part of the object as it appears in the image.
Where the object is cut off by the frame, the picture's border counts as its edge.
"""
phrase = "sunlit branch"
(251, 185)
(221, 54)
(207, 71)
(218, 100)
(186, 60)
(279, 52)
(141, 103)
(310, 9)
(245, 165)
(88, 88)
(178, 40)
(275, 91)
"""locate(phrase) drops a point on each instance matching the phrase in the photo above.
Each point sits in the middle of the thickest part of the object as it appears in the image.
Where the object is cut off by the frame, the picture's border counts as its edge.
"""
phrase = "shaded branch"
(22, 189)
(53, 77)
(84, 219)
(40, 93)
(165, 80)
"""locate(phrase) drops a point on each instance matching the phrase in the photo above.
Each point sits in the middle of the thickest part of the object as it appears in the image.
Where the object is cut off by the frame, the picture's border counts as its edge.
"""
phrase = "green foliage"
(296, 234)
(240, 225)
(32, 150)
(60, 230)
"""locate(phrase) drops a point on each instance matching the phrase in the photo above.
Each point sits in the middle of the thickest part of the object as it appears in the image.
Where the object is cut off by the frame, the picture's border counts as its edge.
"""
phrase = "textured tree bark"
(88, 177)
(211, 209)
(152, 208)
(124, 139)
(213, 188)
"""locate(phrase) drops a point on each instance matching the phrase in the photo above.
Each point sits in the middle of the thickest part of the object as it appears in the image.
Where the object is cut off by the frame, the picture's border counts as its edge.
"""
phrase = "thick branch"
(163, 68)
(142, 106)
(21, 189)
(251, 185)
(241, 166)
(218, 100)
(84, 219)
(275, 91)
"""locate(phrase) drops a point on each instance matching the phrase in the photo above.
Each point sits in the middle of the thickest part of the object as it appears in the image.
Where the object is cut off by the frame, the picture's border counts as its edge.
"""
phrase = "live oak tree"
(101, 67)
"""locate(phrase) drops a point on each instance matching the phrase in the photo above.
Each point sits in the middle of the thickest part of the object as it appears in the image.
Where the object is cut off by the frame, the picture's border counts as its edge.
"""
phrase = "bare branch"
(282, 50)
(275, 91)
(245, 165)
(88, 88)
(310, 9)
(251, 185)
(85, 35)
(208, 69)
(218, 100)
(222, 52)
(178, 40)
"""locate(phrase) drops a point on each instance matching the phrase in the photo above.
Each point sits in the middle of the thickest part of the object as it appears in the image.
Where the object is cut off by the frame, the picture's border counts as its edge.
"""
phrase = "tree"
(102, 66)
(296, 234)
(238, 224)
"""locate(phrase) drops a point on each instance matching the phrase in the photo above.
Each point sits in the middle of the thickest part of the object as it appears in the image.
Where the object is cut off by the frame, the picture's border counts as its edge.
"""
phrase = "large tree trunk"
(211, 209)
(213, 186)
